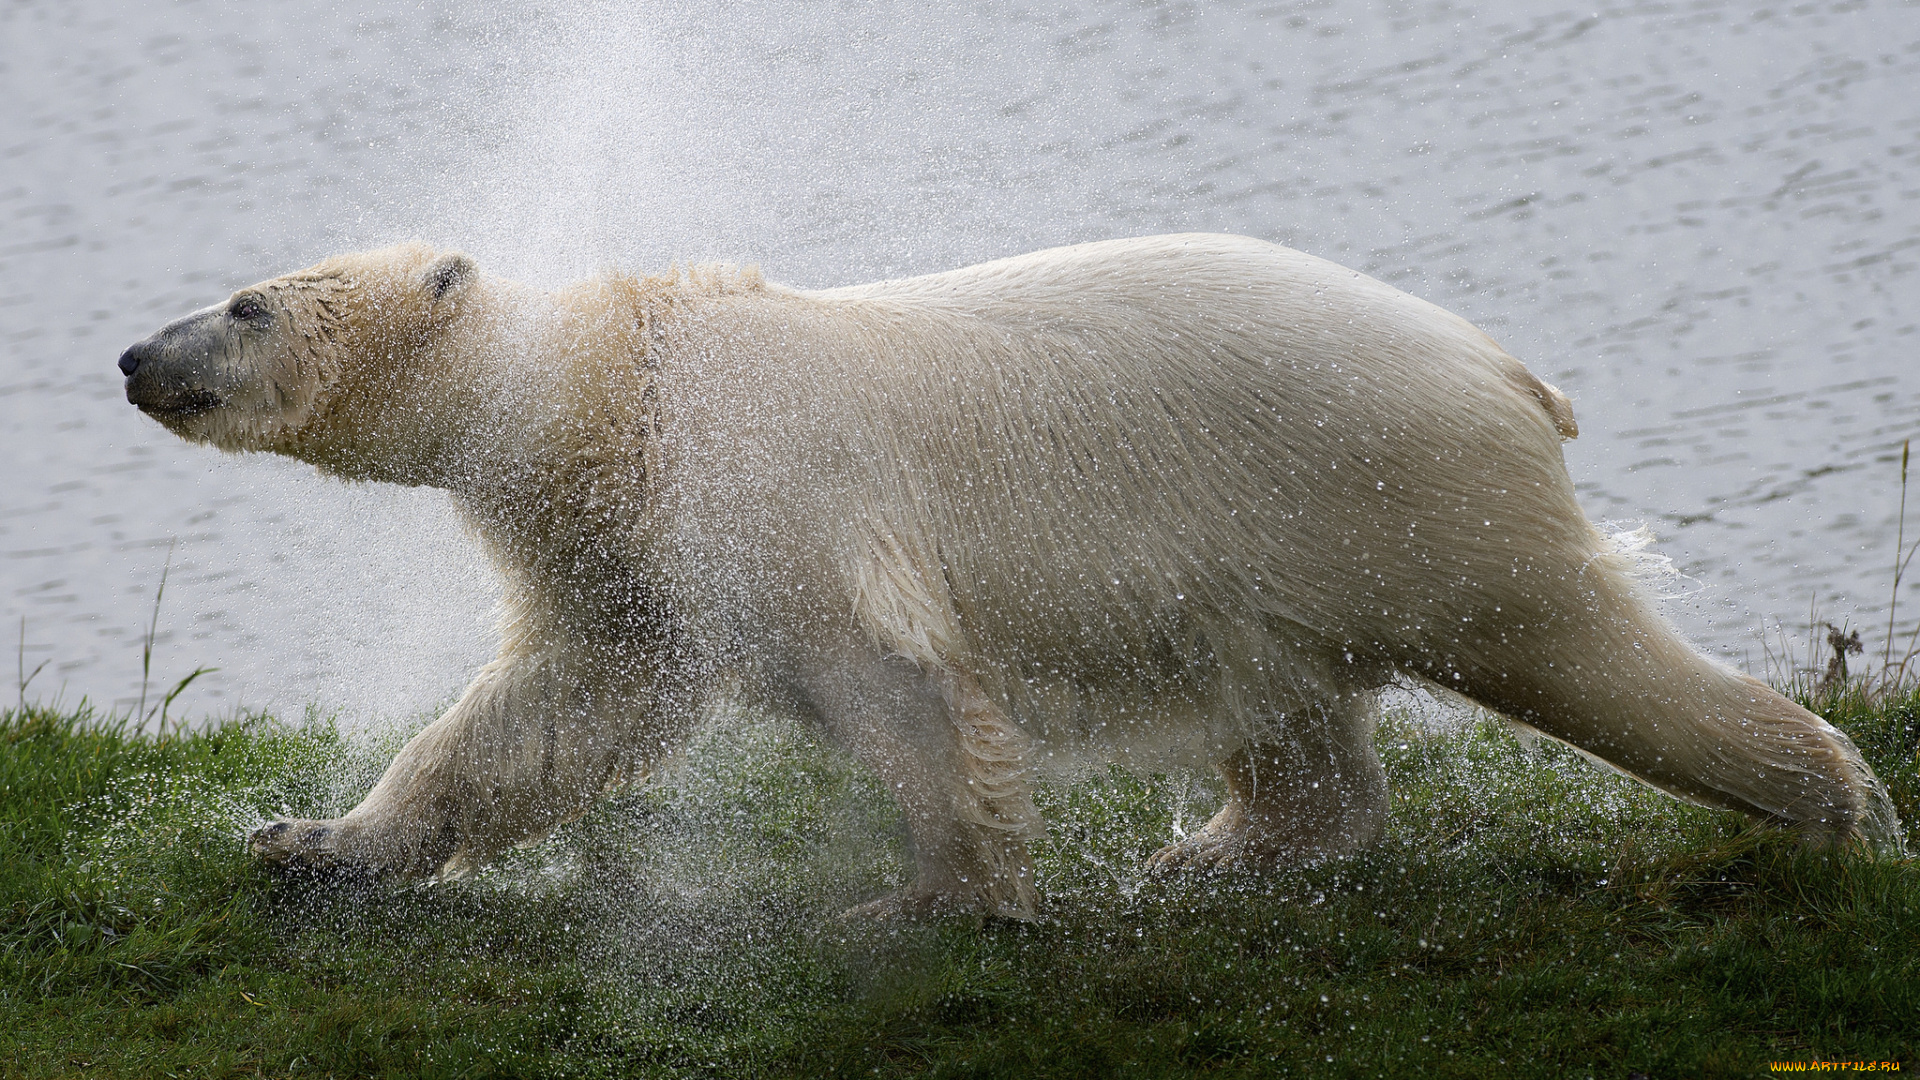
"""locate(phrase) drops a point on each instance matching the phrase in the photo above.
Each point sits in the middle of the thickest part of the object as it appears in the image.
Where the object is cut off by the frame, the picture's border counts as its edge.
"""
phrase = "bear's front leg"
(530, 744)
(956, 765)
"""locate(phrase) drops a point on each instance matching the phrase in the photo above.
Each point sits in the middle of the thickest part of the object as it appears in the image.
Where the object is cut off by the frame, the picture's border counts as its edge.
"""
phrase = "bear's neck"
(549, 461)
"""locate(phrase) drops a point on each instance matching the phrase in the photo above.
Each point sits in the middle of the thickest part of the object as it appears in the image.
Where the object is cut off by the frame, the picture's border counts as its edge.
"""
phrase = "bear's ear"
(447, 275)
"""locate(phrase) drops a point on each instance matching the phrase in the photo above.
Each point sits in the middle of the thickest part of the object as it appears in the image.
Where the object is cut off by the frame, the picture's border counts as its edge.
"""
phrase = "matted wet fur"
(1167, 500)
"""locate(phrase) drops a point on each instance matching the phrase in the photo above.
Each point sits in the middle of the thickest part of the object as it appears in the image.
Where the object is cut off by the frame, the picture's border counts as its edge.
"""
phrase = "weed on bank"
(1528, 915)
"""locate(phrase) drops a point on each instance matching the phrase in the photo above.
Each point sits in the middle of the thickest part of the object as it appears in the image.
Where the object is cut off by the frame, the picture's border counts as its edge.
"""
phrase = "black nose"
(131, 360)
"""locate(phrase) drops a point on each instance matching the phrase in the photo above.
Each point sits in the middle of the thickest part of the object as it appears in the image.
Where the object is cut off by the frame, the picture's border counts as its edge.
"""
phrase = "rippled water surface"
(1701, 220)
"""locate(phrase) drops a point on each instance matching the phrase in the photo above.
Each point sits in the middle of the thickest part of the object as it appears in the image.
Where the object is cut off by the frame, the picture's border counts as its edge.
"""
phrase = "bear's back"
(1164, 435)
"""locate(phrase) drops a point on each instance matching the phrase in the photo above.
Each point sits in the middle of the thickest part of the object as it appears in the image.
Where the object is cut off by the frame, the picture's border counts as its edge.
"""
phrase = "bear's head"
(313, 364)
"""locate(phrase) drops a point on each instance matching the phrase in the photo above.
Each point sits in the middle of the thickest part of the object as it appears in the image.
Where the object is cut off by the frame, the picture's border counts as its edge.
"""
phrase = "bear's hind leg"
(1604, 672)
(1311, 791)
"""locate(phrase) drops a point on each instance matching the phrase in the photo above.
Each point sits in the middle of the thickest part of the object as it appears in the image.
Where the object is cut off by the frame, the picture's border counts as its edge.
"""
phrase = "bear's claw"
(1198, 852)
(1244, 849)
(267, 833)
(288, 844)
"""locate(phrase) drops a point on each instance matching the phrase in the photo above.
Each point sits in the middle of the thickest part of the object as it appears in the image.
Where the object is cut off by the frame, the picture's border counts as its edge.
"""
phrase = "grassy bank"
(1528, 915)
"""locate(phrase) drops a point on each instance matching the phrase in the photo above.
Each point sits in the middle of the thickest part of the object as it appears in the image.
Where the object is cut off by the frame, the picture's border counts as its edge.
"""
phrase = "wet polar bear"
(1181, 497)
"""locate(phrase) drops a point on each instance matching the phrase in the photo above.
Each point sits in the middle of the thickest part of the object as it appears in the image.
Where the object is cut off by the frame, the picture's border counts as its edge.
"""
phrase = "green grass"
(1528, 915)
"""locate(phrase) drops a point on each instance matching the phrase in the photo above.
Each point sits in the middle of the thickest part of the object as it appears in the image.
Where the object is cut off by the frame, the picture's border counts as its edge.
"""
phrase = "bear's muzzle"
(171, 374)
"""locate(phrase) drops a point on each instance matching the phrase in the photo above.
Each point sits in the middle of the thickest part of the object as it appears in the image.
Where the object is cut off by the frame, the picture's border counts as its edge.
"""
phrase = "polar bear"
(1177, 498)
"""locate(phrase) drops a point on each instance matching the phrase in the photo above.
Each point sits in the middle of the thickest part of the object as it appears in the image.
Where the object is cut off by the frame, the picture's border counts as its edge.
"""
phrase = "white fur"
(1174, 498)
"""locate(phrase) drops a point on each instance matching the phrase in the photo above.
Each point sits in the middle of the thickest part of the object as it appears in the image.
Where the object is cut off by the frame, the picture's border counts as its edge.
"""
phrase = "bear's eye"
(248, 309)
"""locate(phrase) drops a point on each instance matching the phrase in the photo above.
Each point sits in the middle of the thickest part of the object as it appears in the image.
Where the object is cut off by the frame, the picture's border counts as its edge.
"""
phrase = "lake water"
(1700, 219)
